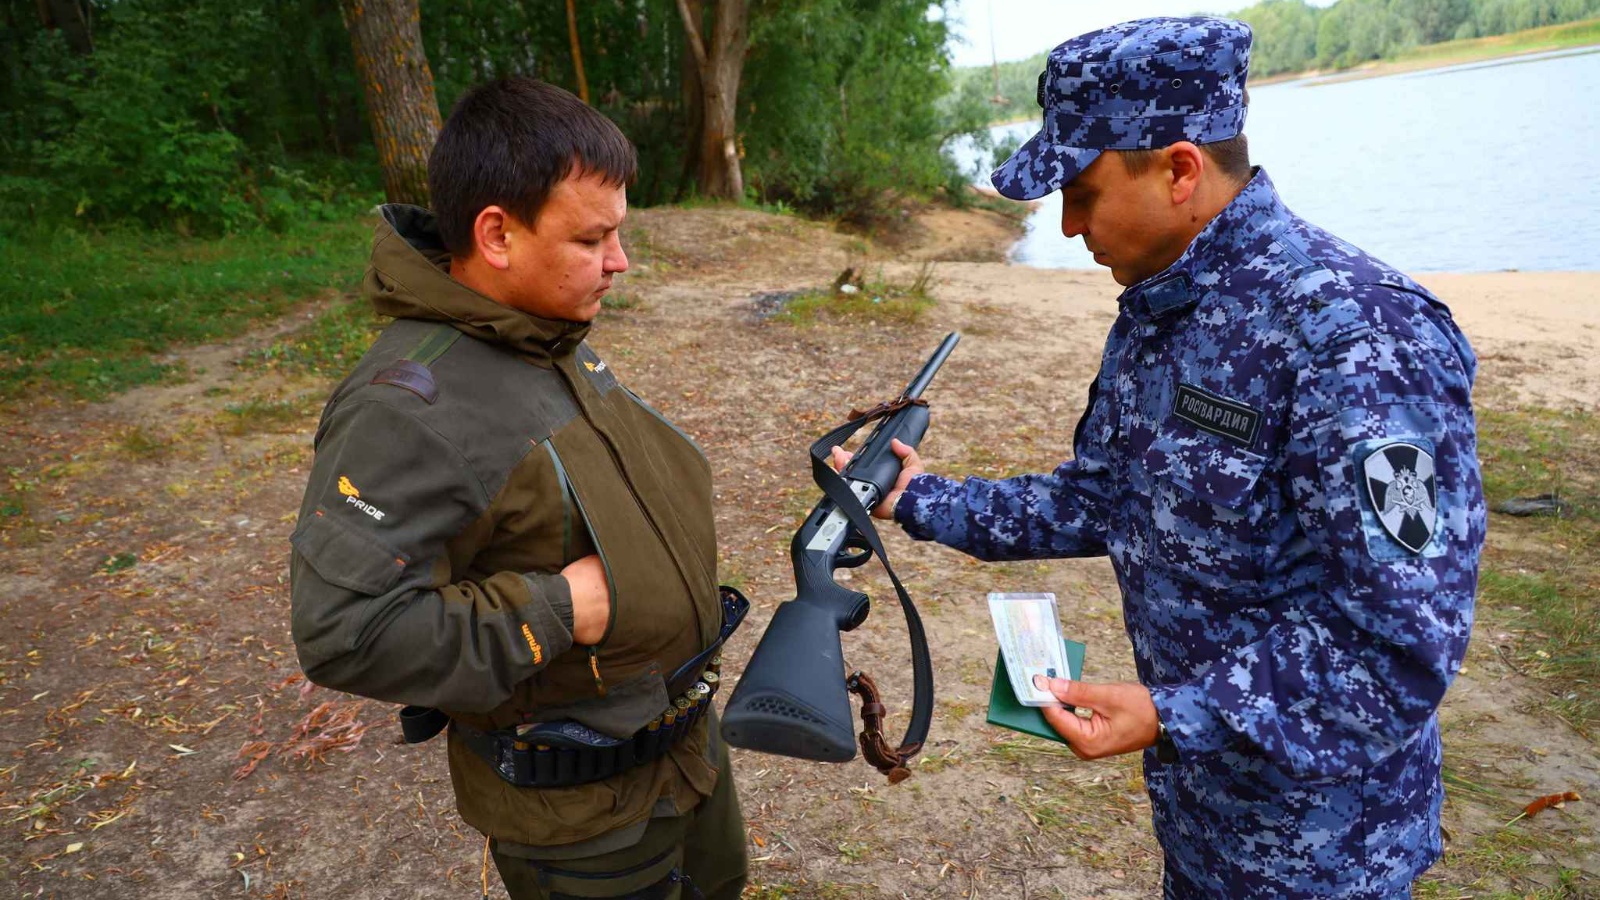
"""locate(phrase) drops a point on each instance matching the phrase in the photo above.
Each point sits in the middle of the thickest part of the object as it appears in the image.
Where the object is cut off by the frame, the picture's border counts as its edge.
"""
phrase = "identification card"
(1030, 641)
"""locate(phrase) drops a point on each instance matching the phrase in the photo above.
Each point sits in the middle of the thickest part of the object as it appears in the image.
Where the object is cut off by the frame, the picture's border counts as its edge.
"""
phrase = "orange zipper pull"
(594, 666)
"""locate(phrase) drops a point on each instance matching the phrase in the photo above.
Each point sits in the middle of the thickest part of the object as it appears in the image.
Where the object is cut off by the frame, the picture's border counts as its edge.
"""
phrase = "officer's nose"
(1073, 222)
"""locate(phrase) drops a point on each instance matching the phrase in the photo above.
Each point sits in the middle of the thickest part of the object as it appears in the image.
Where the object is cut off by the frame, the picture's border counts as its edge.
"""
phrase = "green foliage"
(90, 312)
(179, 119)
(198, 116)
(633, 59)
(844, 111)
(1293, 36)
(1011, 88)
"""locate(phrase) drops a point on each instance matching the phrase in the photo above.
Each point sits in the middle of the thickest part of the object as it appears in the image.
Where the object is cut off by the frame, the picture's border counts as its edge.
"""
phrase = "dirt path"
(146, 609)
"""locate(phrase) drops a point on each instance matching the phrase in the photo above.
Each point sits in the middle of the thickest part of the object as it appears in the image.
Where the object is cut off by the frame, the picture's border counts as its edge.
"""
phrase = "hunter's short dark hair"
(509, 143)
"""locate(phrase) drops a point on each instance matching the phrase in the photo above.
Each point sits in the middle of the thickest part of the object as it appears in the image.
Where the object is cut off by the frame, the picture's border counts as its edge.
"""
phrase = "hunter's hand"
(1124, 720)
(910, 465)
(591, 601)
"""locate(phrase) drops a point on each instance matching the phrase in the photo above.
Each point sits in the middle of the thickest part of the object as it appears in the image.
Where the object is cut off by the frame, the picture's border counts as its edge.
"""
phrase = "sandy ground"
(1537, 334)
(130, 697)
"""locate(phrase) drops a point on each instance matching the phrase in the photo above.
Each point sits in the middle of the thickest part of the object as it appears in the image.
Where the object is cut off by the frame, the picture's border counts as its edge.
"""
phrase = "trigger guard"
(859, 557)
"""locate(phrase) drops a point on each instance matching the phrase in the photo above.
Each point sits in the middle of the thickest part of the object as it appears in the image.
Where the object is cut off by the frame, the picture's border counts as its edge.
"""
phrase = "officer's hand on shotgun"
(591, 600)
(910, 465)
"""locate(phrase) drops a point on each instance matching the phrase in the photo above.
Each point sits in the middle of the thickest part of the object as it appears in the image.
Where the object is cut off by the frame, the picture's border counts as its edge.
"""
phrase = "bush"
(844, 106)
(167, 123)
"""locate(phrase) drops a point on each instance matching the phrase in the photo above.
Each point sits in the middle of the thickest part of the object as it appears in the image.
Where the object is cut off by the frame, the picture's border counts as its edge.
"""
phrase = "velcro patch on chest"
(1217, 415)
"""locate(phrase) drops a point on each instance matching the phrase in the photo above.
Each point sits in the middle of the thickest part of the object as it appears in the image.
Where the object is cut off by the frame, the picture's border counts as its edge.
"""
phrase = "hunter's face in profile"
(562, 265)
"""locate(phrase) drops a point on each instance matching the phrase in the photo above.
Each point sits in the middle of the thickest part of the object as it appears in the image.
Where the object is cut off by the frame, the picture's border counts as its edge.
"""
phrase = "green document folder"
(1005, 711)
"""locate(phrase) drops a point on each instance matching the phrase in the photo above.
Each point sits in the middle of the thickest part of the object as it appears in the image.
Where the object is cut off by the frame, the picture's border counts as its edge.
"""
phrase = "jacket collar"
(409, 277)
(1221, 244)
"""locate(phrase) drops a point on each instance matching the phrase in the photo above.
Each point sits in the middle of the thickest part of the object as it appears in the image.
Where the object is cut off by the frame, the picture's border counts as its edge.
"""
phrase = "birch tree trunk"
(721, 65)
(393, 67)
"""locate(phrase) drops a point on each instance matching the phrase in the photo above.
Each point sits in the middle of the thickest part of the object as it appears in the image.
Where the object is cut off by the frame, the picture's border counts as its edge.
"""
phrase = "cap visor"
(1039, 167)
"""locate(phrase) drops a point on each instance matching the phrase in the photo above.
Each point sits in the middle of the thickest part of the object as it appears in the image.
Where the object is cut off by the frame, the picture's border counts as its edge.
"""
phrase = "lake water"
(1480, 167)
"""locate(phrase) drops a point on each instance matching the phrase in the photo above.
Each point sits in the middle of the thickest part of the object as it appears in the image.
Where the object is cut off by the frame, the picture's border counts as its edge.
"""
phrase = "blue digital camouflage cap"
(1138, 85)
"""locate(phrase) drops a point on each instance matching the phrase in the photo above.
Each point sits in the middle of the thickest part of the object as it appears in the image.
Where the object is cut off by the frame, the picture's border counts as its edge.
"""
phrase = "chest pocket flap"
(1216, 473)
(1201, 526)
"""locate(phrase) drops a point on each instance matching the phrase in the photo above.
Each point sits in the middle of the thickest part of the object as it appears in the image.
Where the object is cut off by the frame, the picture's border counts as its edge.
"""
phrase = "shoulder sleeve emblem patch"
(1400, 483)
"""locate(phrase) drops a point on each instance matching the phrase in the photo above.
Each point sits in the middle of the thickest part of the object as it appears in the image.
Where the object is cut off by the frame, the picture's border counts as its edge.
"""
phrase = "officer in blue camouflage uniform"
(1278, 456)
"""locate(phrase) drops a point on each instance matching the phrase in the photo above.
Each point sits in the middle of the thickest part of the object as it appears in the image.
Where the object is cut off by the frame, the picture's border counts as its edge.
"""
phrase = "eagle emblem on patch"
(1404, 493)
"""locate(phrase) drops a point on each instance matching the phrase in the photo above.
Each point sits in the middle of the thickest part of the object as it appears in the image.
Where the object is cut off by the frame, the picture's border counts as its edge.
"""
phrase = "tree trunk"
(393, 67)
(69, 16)
(577, 51)
(720, 66)
(694, 116)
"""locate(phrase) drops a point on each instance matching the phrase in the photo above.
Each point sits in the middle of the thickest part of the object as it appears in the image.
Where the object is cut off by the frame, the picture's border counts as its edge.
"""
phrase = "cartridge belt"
(565, 753)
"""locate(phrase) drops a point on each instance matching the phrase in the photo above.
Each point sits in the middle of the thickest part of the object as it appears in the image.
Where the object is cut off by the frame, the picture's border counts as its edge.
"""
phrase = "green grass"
(876, 301)
(141, 443)
(329, 346)
(1501, 865)
(82, 314)
(1540, 580)
(258, 415)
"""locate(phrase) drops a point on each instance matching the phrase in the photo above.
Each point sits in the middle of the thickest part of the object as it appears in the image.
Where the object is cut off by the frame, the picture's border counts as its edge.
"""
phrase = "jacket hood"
(408, 277)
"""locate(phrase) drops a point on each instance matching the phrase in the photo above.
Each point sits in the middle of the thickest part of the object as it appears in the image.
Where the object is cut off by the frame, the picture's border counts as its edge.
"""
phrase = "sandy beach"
(1537, 334)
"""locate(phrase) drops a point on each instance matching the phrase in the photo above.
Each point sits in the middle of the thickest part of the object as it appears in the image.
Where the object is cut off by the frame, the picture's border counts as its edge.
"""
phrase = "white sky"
(1025, 27)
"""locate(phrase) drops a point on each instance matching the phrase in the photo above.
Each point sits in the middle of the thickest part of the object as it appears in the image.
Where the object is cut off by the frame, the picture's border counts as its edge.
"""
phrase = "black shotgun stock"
(793, 699)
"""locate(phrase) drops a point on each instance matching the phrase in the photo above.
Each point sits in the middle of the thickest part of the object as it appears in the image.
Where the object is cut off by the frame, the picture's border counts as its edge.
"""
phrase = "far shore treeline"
(1292, 36)
(218, 116)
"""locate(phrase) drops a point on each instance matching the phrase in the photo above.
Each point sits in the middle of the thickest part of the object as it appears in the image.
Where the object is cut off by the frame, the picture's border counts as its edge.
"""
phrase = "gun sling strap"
(891, 761)
(565, 753)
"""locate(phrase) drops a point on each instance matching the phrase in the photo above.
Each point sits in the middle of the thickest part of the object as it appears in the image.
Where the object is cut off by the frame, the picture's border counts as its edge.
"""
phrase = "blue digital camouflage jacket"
(1279, 457)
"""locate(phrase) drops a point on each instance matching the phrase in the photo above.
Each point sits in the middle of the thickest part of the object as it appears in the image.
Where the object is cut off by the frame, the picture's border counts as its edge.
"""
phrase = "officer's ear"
(1185, 165)
(490, 236)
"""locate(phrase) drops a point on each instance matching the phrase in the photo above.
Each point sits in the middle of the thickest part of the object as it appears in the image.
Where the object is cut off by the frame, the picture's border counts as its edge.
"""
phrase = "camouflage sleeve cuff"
(548, 617)
(924, 494)
(1194, 725)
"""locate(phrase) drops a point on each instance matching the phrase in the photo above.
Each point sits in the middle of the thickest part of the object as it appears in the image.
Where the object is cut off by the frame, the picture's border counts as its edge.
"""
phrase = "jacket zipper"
(569, 498)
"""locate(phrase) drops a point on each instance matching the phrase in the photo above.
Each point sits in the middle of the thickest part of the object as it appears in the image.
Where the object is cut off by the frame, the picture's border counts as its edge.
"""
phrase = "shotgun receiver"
(793, 699)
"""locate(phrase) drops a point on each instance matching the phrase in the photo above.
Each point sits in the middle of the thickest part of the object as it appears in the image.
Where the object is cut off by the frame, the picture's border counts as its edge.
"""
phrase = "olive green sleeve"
(370, 612)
